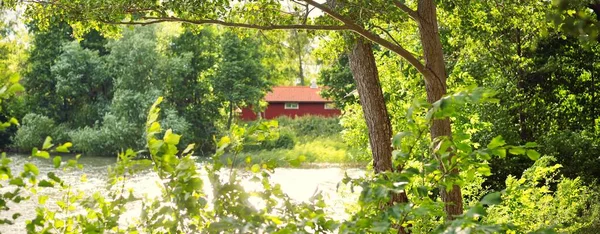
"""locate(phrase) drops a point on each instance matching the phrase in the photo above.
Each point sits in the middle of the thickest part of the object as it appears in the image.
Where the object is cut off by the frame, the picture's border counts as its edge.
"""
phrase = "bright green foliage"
(425, 173)
(183, 206)
(540, 198)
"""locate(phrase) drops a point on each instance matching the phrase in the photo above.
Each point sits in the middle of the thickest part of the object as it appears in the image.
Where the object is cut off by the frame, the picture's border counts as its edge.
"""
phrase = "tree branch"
(373, 37)
(153, 20)
(412, 13)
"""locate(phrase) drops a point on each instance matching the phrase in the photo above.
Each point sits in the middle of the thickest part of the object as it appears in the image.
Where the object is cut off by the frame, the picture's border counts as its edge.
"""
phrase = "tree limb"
(154, 20)
(412, 13)
(373, 37)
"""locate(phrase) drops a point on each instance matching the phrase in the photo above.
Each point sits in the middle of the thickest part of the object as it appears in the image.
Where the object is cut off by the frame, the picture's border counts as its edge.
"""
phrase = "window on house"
(329, 106)
(292, 105)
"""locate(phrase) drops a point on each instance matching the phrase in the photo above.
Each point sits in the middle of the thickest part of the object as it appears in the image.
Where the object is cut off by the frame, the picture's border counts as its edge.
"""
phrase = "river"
(299, 184)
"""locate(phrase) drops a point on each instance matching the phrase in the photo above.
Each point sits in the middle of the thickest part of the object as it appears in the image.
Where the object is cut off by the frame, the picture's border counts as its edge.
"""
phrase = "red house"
(294, 101)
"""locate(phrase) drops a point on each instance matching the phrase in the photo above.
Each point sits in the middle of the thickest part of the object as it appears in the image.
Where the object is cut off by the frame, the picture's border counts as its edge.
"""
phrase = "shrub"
(317, 150)
(286, 140)
(531, 203)
(577, 152)
(34, 129)
(113, 136)
(173, 121)
(313, 126)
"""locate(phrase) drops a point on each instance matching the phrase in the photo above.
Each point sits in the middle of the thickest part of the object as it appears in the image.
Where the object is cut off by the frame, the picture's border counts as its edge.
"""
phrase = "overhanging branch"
(412, 13)
(373, 37)
(152, 20)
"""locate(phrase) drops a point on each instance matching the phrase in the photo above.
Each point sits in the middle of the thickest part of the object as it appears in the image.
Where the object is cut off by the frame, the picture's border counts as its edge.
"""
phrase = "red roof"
(295, 94)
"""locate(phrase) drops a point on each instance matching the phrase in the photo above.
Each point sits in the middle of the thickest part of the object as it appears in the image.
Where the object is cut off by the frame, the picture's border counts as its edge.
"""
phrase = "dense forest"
(469, 117)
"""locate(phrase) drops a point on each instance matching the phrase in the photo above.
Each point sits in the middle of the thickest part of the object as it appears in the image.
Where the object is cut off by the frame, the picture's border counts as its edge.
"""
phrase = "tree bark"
(230, 119)
(299, 51)
(435, 81)
(366, 76)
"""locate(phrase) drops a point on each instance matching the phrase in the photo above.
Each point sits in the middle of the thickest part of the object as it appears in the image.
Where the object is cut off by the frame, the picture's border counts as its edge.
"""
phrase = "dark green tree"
(189, 93)
(37, 79)
(338, 83)
(240, 77)
(83, 82)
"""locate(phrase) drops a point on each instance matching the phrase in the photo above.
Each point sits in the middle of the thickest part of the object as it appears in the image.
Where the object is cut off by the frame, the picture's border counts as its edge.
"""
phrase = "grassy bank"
(305, 142)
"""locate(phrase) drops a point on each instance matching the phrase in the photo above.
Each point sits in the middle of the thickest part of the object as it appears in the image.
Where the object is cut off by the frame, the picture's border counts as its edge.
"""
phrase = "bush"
(577, 152)
(531, 202)
(313, 126)
(178, 124)
(33, 131)
(286, 140)
(317, 150)
(113, 136)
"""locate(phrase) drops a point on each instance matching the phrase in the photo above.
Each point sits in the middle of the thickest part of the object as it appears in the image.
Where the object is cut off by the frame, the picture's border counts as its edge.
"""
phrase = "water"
(299, 184)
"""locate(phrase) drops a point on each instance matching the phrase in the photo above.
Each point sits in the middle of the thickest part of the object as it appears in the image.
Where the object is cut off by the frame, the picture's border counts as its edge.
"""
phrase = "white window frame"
(329, 106)
(292, 106)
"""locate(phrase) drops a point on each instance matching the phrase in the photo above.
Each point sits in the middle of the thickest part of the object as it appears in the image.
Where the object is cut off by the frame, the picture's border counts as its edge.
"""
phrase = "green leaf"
(17, 181)
(517, 150)
(397, 140)
(57, 160)
(43, 154)
(531, 144)
(500, 152)
(171, 138)
(64, 148)
(45, 183)
(14, 78)
(533, 155)
(484, 170)
(53, 176)
(154, 128)
(15, 88)
(496, 142)
(189, 148)
(14, 121)
(30, 167)
(47, 143)
(380, 227)
(224, 141)
(492, 199)
(255, 168)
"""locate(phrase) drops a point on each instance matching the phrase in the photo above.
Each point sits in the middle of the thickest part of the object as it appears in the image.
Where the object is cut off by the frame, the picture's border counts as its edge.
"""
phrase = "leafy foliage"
(540, 198)
(35, 128)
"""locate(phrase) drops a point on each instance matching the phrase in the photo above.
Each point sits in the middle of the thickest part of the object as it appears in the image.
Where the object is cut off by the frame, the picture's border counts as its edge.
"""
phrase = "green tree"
(46, 47)
(338, 82)
(189, 92)
(82, 80)
(240, 77)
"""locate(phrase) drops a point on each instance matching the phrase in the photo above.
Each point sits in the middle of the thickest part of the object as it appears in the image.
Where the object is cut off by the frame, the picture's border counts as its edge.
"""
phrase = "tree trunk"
(366, 76)
(299, 52)
(230, 119)
(435, 81)
(364, 71)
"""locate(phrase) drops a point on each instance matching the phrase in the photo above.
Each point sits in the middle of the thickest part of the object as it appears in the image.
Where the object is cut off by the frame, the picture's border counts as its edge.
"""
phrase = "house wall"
(275, 110)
